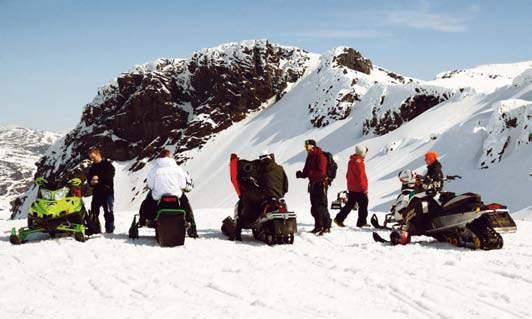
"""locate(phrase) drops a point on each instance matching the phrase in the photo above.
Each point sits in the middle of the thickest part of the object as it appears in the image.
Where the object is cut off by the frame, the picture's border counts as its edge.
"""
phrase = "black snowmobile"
(167, 217)
(462, 220)
(268, 218)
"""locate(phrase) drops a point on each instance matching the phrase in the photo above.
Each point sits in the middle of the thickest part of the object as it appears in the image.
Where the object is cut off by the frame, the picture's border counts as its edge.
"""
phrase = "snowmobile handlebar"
(453, 177)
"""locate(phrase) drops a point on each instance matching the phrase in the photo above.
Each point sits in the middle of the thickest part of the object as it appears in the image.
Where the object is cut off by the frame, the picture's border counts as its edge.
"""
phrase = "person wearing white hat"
(357, 186)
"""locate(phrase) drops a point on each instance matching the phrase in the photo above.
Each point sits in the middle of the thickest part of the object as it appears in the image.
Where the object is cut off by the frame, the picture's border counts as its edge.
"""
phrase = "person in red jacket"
(357, 186)
(316, 171)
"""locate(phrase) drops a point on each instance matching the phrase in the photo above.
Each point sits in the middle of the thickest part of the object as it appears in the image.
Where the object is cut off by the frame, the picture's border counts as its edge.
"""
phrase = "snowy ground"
(342, 275)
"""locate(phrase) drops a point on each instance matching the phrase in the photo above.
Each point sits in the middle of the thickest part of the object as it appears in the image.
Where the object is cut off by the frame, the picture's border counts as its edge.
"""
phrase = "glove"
(399, 237)
(299, 174)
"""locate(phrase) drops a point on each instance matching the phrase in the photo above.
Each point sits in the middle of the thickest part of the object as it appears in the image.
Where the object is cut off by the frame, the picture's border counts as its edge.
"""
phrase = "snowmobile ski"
(378, 238)
(375, 223)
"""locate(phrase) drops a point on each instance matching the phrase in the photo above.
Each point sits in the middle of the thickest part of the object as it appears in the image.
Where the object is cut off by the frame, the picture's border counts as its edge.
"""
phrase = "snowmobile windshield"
(407, 177)
(54, 195)
(46, 194)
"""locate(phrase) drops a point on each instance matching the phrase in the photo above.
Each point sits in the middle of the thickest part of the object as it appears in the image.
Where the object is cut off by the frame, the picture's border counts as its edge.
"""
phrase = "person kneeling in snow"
(166, 177)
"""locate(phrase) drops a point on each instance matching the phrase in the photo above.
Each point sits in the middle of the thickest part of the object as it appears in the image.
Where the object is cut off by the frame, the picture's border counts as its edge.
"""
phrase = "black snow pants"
(355, 198)
(319, 203)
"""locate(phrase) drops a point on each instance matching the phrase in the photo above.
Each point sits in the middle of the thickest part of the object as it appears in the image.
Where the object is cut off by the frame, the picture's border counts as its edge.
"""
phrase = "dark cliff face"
(181, 103)
(353, 60)
(381, 124)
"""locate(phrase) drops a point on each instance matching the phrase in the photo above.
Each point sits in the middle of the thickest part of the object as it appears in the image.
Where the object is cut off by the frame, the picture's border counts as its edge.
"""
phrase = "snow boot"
(339, 222)
(323, 231)
(464, 237)
(191, 232)
(109, 227)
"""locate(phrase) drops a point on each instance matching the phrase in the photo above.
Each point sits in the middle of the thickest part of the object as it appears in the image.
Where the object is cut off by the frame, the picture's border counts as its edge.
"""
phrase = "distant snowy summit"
(20, 149)
(182, 104)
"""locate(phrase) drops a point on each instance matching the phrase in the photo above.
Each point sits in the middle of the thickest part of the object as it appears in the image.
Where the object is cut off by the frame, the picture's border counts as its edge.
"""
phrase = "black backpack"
(332, 167)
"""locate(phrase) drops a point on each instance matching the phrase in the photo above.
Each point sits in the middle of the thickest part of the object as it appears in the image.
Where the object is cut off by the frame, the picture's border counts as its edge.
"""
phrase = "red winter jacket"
(357, 181)
(315, 165)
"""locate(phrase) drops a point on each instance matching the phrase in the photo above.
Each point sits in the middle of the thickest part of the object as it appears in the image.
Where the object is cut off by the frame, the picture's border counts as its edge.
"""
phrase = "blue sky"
(54, 54)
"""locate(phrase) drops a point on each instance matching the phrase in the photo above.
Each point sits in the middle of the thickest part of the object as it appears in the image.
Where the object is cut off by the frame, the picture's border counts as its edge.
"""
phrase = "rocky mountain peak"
(179, 102)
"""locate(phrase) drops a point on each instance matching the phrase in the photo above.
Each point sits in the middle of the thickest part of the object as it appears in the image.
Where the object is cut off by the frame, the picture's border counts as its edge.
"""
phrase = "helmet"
(431, 156)
(75, 182)
(265, 157)
(407, 177)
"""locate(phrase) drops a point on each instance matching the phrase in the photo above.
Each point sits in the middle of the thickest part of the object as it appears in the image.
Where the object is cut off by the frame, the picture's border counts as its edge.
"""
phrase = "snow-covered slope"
(20, 149)
(458, 129)
(484, 78)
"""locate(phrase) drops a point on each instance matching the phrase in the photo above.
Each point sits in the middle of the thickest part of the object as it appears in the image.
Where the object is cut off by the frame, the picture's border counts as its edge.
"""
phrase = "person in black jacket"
(100, 178)
(272, 182)
(424, 207)
(273, 179)
(433, 180)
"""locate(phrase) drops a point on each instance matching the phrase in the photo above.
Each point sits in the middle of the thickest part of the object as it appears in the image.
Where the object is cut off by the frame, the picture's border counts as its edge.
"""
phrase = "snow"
(342, 275)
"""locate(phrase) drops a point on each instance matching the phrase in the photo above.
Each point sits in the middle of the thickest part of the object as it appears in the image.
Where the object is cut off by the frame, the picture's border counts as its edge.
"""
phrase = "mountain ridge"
(340, 90)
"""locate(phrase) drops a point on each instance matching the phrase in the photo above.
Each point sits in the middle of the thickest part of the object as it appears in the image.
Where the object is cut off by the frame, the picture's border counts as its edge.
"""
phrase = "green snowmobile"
(58, 209)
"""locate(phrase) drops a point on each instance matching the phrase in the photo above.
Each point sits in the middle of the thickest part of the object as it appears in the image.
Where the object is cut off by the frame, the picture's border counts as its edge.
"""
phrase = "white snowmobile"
(463, 220)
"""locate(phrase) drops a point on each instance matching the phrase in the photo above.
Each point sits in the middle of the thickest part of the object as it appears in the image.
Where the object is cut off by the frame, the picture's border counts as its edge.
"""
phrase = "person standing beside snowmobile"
(166, 177)
(100, 178)
(357, 186)
(316, 171)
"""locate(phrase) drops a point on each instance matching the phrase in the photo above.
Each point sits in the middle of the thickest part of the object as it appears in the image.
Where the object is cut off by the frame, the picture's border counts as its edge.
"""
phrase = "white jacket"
(166, 177)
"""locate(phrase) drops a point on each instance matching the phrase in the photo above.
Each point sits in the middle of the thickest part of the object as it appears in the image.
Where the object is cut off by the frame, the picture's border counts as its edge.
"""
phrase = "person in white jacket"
(165, 177)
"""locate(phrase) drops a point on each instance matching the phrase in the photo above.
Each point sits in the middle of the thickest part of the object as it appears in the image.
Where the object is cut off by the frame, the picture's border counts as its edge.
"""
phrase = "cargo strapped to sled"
(233, 172)
(274, 216)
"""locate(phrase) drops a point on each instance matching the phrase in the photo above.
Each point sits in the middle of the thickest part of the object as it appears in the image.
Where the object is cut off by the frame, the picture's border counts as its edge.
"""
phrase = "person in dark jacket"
(272, 182)
(316, 171)
(433, 180)
(100, 178)
(431, 184)
(357, 187)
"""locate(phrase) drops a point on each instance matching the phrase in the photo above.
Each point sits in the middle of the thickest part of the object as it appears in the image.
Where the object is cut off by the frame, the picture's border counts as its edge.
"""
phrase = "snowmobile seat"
(445, 197)
(462, 203)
